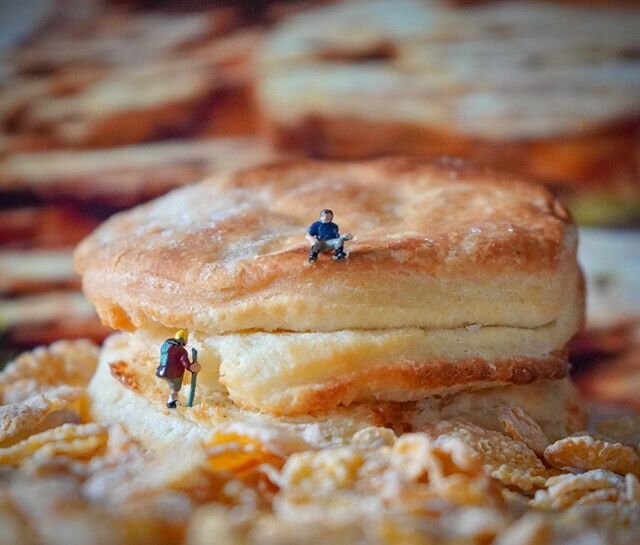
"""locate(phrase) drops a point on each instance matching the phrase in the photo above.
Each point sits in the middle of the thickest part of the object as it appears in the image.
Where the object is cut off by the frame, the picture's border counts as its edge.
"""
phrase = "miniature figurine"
(174, 360)
(324, 236)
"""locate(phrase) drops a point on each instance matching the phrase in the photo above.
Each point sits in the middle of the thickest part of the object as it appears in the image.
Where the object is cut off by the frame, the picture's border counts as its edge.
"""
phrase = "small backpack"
(161, 370)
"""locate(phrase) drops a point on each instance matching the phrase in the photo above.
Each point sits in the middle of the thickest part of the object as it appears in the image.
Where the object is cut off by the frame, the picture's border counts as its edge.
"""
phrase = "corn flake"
(373, 437)
(531, 529)
(64, 362)
(238, 454)
(521, 427)
(323, 471)
(599, 496)
(28, 415)
(475, 524)
(584, 452)
(568, 489)
(509, 461)
(460, 489)
(215, 520)
(77, 441)
(412, 455)
(179, 469)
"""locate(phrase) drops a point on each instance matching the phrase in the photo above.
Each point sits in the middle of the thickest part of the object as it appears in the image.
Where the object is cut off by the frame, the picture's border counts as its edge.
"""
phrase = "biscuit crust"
(438, 245)
(125, 390)
(290, 373)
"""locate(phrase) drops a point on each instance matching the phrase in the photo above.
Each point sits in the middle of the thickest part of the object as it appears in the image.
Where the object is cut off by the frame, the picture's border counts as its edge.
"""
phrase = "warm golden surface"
(457, 279)
(438, 246)
(291, 373)
(74, 479)
(125, 390)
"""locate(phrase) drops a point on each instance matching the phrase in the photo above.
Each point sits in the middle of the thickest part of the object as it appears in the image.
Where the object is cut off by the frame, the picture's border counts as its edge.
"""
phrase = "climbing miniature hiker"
(174, 361)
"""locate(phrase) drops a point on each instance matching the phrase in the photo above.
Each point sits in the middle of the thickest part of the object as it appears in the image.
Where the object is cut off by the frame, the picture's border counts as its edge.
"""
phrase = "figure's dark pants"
(322, 246)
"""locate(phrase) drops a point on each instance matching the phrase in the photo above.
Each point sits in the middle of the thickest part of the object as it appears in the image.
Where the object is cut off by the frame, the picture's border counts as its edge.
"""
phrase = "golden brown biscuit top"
(241, 235)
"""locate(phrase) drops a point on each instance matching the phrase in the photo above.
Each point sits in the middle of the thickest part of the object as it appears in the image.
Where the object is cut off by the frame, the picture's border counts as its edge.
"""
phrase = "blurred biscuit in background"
(126, 105)
(611, 365)
(44, 226)
(127, 175)
(545, 90)
(39, 297)
(128, 77)
(117, 37)
(44, 318)
(32, 270)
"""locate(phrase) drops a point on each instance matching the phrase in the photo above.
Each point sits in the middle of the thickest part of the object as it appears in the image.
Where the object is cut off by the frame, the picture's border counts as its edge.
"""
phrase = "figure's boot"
(339, 254)
(172, 403)
(313, 257)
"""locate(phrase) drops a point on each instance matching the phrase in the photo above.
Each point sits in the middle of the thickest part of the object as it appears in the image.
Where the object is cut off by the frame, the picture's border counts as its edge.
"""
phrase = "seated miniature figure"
(324, 236)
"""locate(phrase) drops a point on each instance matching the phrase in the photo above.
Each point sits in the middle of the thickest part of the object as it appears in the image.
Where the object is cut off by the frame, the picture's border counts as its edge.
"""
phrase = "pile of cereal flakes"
(67, 480)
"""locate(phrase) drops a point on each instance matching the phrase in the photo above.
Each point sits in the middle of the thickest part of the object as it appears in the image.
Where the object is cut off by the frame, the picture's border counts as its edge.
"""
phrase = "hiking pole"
(194, 378)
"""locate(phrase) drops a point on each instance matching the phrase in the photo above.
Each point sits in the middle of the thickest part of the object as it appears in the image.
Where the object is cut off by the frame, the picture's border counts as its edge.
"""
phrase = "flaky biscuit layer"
(126, 390)
(437, 246)
(293, 373)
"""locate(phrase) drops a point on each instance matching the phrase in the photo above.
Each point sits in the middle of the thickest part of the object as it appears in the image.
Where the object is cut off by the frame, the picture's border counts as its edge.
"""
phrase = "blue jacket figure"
(324, 236)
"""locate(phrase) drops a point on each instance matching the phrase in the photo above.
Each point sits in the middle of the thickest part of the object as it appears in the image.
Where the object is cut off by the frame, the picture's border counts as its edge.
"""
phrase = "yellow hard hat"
(182, 335)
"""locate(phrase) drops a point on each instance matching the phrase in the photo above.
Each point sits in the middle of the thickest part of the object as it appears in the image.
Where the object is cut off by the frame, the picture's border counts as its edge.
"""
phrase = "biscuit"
(334, 368)
(26, 271)
(490, 82)
(19, 92)
(129, 174)
(45, 227)
(116, 37)
(125, 390)
(438, 245)
(125, 105)
(44, 318)
(458, 278)
(122, 77)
